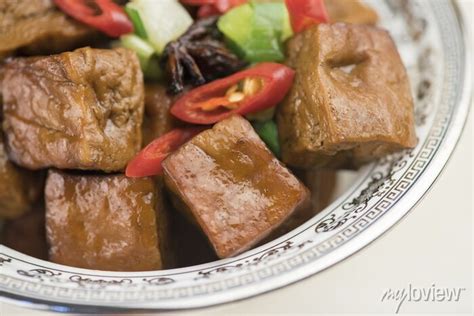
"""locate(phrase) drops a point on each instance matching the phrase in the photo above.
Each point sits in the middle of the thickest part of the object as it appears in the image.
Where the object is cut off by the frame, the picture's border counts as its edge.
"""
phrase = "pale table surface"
(432, 245)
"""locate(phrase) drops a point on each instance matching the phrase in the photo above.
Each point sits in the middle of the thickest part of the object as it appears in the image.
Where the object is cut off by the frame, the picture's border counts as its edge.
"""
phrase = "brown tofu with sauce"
(350, 11)
(77, 110)
(38, 27)
(19, 189)
(107, 222)
(351, 101)
(158, 119)
(322, 186)
(232, 186)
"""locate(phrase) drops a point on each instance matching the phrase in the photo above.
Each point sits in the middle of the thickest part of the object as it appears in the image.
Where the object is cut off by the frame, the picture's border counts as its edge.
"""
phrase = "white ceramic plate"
(432, 41)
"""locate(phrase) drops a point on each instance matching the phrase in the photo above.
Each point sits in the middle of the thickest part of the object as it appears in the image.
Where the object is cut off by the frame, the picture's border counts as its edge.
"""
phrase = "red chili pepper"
(148, 162)
(199, 105)
(207, 11)
(213, 7)
(305, 13)
(112, 19)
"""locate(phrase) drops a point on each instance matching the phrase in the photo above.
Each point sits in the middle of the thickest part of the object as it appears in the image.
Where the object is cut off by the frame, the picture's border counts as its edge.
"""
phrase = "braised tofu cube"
(77, 110)
(322, 186)
(158, 119)
(233, 186)
(19, 189)
(351, 100)
(105, 222)
(350, 11)
(39, 27)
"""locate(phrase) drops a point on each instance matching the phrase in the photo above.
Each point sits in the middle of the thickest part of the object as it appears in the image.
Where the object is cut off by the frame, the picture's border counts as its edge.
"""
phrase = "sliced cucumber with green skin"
(257, 31)
(137, 44)
(163, 20)
(138, 26)
(146, 54)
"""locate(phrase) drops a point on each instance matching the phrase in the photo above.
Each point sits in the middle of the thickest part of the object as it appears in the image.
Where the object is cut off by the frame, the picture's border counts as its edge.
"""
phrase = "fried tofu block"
(19, 189)
(158, 119)
(104, 222)
(351, 100)
(322, 186)
(38, 27)
(77, 110)
(233, 186)
(26, 234)
(350, 11)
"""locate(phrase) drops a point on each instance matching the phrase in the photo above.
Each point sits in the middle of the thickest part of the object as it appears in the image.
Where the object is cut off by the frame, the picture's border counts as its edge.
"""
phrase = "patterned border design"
(386, 184)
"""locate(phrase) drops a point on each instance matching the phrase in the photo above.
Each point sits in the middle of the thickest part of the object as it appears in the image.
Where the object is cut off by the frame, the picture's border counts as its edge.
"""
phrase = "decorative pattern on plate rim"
(336, 233)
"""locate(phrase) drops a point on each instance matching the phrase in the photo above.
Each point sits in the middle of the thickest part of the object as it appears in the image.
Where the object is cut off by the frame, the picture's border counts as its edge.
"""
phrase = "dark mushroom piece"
(199, 56)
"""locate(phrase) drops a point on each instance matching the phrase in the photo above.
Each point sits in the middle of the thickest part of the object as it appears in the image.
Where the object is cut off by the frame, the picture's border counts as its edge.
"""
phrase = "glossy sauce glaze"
(77, 110)
(37, 27)
(19, 188)
(351, 101)
(104, 222)
(350, 11)
(233, 186)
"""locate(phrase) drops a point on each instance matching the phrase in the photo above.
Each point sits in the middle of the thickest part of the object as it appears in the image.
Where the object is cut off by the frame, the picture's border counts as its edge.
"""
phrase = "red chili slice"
(213, 7)
(112, 19)
(305, 13)
(207, 11)
(148, 162)
(277, 80)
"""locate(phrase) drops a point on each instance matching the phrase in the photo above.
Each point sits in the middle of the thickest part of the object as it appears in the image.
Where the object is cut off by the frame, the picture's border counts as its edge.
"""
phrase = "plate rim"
(446, 151)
